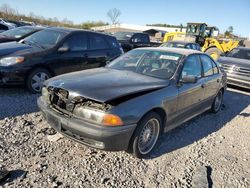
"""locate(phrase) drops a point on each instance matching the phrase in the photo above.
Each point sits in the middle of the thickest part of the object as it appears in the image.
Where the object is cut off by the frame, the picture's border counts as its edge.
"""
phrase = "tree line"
(9, 13)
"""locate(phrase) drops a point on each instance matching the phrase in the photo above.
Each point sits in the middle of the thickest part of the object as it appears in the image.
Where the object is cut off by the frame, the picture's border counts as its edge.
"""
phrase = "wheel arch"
(39, 67)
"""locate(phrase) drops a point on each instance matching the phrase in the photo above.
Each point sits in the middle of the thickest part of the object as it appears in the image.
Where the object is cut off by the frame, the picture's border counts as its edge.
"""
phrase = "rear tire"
(216, 106)
(146, 135)
(214, 53)
(36, 78)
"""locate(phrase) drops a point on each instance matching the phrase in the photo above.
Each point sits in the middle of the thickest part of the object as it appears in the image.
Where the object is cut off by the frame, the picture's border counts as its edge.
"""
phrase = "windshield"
(239, 53)
(123, 35)
(173, 45)
(152, 63)
(18, 32)
(45, 39)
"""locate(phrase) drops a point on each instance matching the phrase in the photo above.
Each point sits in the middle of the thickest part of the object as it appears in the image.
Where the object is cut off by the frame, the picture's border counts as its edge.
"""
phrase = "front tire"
(216, 106)
(146, 135)
(214, 53)
(36, 78)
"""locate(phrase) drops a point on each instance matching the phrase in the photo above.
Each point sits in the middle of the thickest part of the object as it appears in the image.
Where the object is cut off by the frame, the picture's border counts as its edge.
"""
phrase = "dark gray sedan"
(133, 100)
(237, 66)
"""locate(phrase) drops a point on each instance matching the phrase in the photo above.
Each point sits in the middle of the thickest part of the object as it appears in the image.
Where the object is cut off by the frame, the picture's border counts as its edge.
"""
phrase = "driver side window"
(192, 67)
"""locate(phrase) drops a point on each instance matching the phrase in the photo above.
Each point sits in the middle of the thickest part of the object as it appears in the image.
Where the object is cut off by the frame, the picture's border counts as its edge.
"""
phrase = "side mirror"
(189, 79)
(63, 49)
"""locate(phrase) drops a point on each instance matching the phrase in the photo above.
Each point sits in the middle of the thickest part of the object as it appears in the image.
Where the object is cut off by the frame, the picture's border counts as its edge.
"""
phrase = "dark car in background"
(18, 33)
(131, 40)
(135, 98)
(182, 44)
(236, 64)
(54, 51)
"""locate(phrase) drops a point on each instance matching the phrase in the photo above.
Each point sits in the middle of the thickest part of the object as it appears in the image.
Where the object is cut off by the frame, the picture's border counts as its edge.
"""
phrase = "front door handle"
(203, 85)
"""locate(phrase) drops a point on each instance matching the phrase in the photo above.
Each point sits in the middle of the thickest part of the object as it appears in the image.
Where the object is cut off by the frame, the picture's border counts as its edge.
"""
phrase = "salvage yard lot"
(215, 144)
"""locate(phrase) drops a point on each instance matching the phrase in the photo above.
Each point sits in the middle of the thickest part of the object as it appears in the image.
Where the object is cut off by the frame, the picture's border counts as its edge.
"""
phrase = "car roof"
(71, 30)
(32, 27)
(181, 42)
(182, 51)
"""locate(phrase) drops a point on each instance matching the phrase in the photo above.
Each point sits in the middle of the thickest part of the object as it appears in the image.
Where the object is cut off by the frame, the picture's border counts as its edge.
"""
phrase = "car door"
(71, 55)
(99, 51)
(190, 95)
(211, 75)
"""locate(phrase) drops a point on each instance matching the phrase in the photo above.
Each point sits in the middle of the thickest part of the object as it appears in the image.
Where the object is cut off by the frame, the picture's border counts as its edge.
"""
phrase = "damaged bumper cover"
(97, 136)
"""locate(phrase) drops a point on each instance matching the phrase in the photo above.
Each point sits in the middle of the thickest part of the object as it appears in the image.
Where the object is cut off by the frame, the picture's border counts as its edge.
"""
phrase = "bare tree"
(113, 15)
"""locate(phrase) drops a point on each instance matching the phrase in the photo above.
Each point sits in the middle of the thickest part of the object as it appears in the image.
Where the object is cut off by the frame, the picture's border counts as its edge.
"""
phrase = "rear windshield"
(173, 45)
(123, 35)
(239, 53)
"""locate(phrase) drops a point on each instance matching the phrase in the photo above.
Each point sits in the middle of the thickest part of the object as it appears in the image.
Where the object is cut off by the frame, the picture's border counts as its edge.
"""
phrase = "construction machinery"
(206, 36)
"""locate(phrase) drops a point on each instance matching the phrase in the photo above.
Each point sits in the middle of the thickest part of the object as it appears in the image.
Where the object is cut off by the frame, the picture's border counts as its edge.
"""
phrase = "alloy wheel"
(148, 136)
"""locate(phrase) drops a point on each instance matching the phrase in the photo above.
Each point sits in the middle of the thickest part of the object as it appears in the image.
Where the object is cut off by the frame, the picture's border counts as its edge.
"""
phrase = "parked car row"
(132, 40)
(54, 51)
(104, 107)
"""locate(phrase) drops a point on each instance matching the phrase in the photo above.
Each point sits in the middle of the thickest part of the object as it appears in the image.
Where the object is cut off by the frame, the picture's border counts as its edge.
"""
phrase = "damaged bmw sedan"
(129, 103)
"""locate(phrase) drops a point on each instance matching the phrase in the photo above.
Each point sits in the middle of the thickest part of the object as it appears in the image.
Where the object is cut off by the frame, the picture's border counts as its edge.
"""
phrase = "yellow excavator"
(206, 36)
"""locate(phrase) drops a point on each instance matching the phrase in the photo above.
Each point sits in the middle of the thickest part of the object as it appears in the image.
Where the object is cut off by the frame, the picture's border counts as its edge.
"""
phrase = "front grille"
(59, 99)
(234, 69)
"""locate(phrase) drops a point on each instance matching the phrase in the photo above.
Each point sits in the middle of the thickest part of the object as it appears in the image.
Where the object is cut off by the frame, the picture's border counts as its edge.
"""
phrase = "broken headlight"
(98, 117)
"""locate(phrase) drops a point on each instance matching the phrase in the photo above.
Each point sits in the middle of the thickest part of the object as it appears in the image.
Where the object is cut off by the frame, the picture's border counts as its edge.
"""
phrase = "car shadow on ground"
(13, 175)
(203, 125)
(16, 101)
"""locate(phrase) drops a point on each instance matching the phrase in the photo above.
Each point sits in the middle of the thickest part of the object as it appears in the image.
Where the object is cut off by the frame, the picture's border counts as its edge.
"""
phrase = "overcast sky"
(221, 13)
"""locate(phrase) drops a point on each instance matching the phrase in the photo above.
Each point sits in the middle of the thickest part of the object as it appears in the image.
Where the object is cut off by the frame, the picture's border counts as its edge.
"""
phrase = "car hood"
(234, 61)
(105, 84)
(16, 48)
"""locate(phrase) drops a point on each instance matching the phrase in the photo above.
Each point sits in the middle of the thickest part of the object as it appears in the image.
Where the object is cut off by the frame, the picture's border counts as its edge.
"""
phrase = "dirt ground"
(212, 150)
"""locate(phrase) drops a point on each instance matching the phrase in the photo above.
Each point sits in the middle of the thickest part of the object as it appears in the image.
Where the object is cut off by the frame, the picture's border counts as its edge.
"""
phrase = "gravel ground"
(208, 151)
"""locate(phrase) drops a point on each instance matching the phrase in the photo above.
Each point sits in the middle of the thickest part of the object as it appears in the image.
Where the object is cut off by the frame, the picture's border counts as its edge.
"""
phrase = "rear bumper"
(237, 80)
(12, 76)
(100, 137)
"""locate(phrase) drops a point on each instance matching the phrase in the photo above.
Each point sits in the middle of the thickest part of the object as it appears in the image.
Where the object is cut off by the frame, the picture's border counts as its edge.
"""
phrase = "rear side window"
(140, 38)
(113, 42)
(77, 42)
(208, 65)
(188, 46)
(98, 42)
(192, 67)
